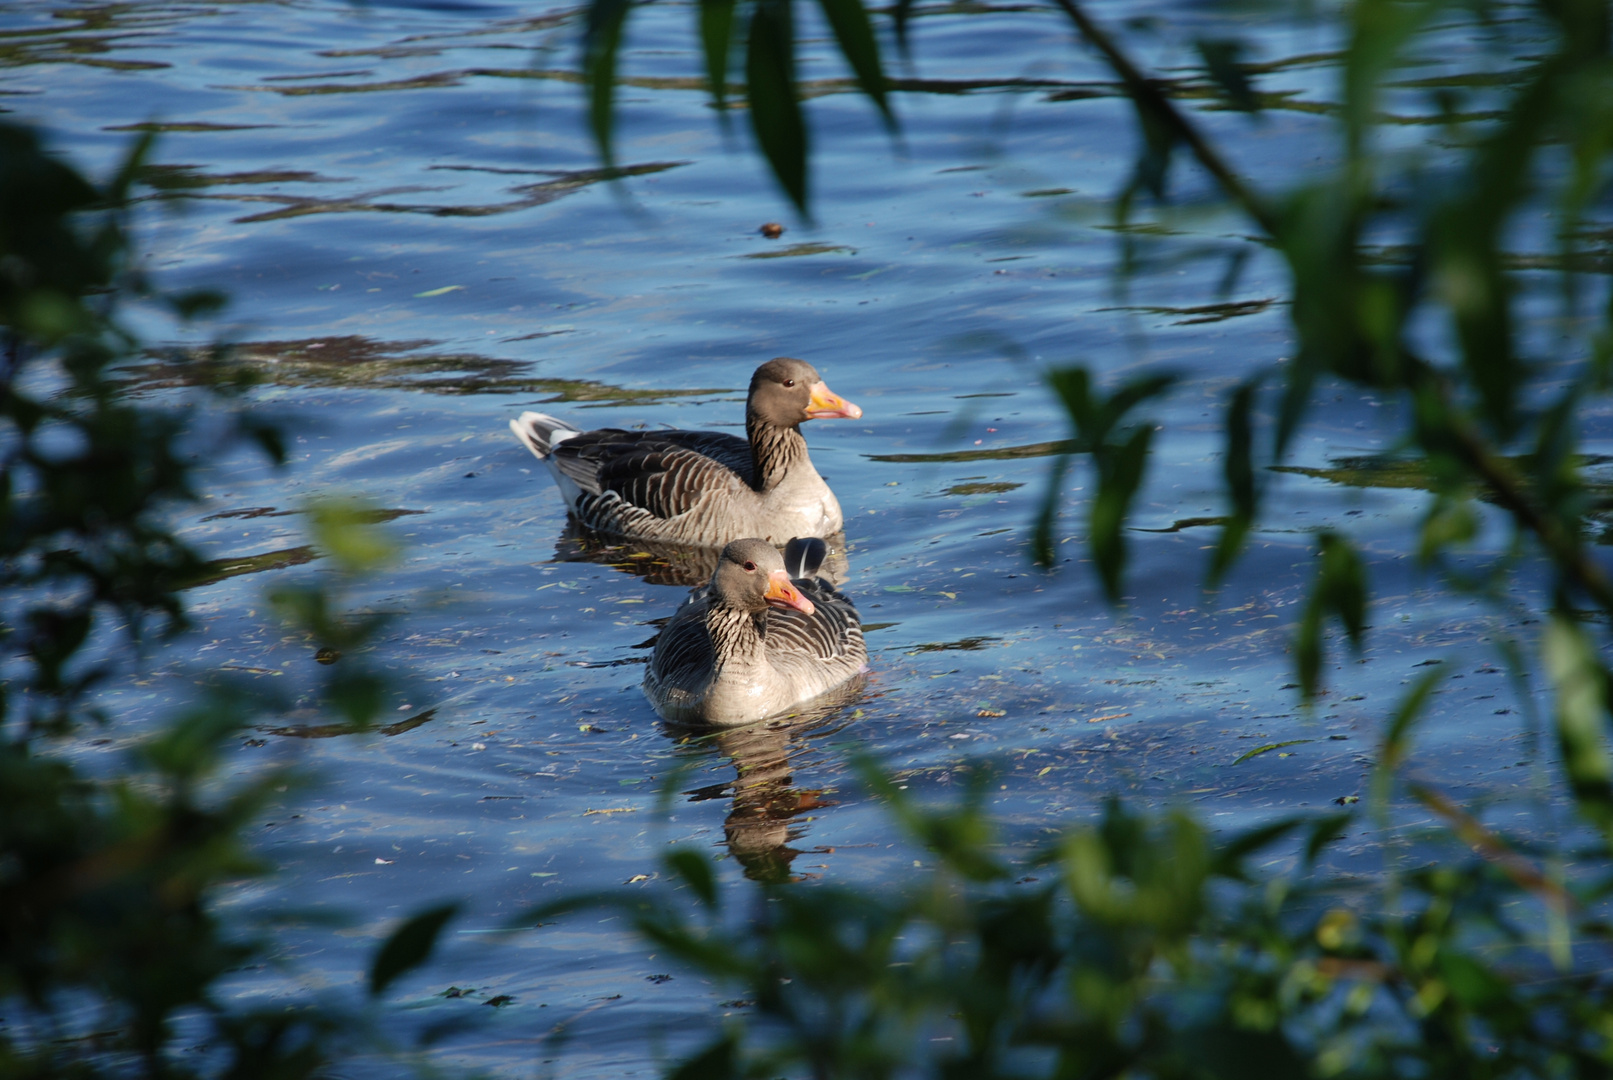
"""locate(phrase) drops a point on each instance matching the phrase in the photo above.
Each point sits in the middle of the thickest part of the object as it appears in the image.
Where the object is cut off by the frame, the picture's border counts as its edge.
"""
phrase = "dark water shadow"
(331, 731)
(1398, 472)
(359, 362)
(215, 570)
(761, 826)
(997, 453)
(1395, 471)
(659, 563)
(526, 196)
(1197, 314)
(797, 250)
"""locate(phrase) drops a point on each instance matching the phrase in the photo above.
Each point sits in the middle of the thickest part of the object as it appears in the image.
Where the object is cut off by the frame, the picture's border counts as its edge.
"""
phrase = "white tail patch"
(541, 433)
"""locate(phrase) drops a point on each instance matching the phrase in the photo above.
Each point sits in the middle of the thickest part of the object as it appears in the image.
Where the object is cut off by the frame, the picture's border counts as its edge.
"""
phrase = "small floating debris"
(772, 230)
(1257, 751)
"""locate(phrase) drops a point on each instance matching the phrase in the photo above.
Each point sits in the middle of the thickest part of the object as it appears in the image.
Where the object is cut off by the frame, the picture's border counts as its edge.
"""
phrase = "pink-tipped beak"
(828, 405)
(781, 591)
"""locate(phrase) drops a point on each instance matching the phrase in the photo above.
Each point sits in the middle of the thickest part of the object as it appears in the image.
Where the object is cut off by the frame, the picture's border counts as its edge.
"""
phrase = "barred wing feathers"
(662, 474)
(831, 637)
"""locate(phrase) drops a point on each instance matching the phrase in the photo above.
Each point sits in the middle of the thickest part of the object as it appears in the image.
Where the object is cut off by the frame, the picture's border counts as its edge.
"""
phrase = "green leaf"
(130, 170)
(717, 41)
(1581, 685)
(1396, 741)
(715, 1062)
(601, 43)
(1042, 535)
(1340, 590)
(1220, 56)
(901, 12)
(1229, 856)
(1308, 651)
(1323, 832)
(1126, 398)
(1343, 585)
(1117, 485)
(346, 531)
(694, 868)
(1295, 403)
(775, 112)
(860, 48)
(1073, 385)
(190, 748)
(197, 303)
(1238, 468)
(1152, 170)
(409, 946)
(1119, 465)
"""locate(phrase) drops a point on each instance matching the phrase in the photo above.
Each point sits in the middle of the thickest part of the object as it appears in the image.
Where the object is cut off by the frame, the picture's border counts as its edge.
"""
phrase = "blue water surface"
(405, 206)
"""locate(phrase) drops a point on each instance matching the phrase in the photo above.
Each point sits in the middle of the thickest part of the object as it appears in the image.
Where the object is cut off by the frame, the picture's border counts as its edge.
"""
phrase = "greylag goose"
(755, 642)
(701, 488)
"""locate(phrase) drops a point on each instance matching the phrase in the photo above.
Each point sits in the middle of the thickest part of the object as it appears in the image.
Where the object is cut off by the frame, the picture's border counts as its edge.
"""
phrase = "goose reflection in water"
(762, 824)
(661, 563)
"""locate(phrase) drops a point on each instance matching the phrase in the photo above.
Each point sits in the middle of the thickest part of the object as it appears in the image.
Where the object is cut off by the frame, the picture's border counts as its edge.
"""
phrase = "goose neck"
(737, 637)
(774, 450)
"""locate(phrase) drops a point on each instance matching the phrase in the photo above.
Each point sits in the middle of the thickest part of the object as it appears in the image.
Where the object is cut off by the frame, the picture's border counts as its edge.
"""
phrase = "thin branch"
(1563, 547)
(1147, 93)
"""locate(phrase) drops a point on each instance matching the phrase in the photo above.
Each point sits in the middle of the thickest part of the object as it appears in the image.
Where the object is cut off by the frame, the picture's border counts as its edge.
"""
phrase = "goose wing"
(663, 472)
(684, 655)
(831, 634)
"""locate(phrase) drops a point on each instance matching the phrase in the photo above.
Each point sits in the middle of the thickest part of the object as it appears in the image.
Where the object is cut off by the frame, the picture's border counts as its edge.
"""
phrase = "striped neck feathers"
(774, 450)
(737, 637)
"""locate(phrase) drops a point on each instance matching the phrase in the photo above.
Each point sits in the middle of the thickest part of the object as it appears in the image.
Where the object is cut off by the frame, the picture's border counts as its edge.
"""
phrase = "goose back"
(699, 487)
(724, 662)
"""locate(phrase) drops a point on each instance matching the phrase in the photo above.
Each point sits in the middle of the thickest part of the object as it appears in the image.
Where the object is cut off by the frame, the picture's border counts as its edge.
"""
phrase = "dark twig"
(1147, 93)
(1564, 548)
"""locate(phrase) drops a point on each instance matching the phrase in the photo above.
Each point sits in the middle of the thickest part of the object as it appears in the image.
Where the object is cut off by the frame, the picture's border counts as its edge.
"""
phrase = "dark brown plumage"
(699, 487)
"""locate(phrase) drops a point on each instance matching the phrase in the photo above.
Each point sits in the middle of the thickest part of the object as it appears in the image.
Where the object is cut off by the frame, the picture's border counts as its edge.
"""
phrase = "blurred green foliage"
(1142, 946)
(111, 957)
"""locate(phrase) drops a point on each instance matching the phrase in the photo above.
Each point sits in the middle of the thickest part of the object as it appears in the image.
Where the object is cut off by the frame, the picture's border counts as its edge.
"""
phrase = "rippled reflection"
(669, 564)
(353, 360)
(762, 824)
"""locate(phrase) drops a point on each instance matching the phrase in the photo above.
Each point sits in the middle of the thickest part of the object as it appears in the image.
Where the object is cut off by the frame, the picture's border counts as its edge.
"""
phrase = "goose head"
(785, 391)
(751, 576)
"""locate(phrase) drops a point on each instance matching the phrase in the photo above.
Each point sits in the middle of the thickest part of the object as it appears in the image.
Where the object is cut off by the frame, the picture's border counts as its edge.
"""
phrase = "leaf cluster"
(1143, 945)
(112, 958)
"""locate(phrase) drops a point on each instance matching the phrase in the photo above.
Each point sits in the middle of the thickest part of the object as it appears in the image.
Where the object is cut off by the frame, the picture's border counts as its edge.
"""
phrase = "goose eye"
(750, 566)
(789, 382)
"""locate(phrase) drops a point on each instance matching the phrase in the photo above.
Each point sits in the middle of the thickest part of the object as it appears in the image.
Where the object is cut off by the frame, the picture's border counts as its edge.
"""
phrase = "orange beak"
(781, 591)
(828, 405)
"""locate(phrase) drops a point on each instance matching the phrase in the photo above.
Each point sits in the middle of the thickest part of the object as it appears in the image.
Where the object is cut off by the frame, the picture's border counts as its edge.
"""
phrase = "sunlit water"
(405, 208)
